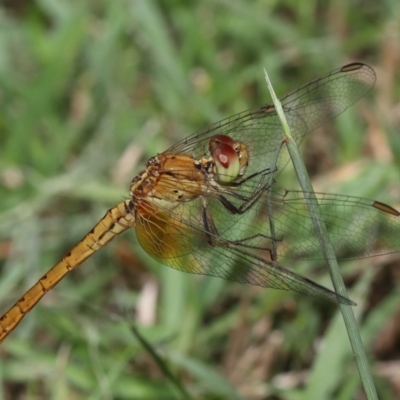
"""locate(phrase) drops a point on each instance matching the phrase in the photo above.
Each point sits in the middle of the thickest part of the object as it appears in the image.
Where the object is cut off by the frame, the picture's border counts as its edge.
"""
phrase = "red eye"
(230, 157)
(223, 139)
(226, 159)
(224, 154)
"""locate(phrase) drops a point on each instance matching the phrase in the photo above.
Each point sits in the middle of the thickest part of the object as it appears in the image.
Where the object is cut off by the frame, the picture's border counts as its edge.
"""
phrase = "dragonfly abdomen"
(116, 220)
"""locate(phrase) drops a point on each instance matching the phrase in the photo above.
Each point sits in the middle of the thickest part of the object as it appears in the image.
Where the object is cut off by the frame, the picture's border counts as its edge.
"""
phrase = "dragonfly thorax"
(169, 180)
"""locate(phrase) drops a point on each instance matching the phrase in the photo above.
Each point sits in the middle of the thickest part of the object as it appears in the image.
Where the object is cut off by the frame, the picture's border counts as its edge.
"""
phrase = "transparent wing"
(239, 231)
(280, 220)
(306, 108)
(186, 247)
(202, 237)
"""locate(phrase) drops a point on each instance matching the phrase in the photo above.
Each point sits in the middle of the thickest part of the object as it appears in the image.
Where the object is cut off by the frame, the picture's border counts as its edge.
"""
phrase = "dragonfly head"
(230, 158)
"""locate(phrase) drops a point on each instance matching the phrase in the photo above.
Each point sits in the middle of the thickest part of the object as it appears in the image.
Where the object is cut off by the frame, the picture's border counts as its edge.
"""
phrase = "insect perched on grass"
(207, 205)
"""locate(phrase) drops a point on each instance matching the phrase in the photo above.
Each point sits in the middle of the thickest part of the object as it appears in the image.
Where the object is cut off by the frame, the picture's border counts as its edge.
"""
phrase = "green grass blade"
(327, 249)
(161, 364)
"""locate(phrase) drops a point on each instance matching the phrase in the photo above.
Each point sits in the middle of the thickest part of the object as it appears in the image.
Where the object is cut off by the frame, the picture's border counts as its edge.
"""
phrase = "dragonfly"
(208, 205)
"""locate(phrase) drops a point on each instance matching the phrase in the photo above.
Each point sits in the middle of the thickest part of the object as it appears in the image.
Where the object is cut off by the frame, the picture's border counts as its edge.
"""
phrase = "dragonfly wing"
(280, 220)
(322, 99)
(187, 247)
(306, 108)
(357, 227)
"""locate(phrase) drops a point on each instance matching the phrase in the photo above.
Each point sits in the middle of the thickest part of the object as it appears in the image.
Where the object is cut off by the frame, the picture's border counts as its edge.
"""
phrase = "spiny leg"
(215, 239)
(247, 201)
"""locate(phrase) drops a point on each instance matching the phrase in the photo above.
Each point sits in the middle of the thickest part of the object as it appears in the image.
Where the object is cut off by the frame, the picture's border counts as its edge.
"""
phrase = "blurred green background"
(89, 90)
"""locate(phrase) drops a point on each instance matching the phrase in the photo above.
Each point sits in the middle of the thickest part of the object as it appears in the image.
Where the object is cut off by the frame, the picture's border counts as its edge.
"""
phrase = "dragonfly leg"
(215, 239)
(247, 201)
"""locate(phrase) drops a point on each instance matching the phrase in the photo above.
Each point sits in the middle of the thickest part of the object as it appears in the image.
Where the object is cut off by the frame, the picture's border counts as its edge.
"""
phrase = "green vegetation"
(88, 92)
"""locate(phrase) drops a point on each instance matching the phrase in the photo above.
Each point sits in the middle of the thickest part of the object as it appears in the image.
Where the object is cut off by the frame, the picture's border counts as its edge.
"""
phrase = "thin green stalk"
(161, 364)
(327, 249)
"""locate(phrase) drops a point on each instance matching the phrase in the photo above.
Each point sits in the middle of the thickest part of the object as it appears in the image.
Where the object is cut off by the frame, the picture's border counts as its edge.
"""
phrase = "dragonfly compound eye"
(227, 163)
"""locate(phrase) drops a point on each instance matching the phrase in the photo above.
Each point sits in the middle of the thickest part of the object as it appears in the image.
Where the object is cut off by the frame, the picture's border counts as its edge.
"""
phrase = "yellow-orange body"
(167, 181)
(206, 205)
